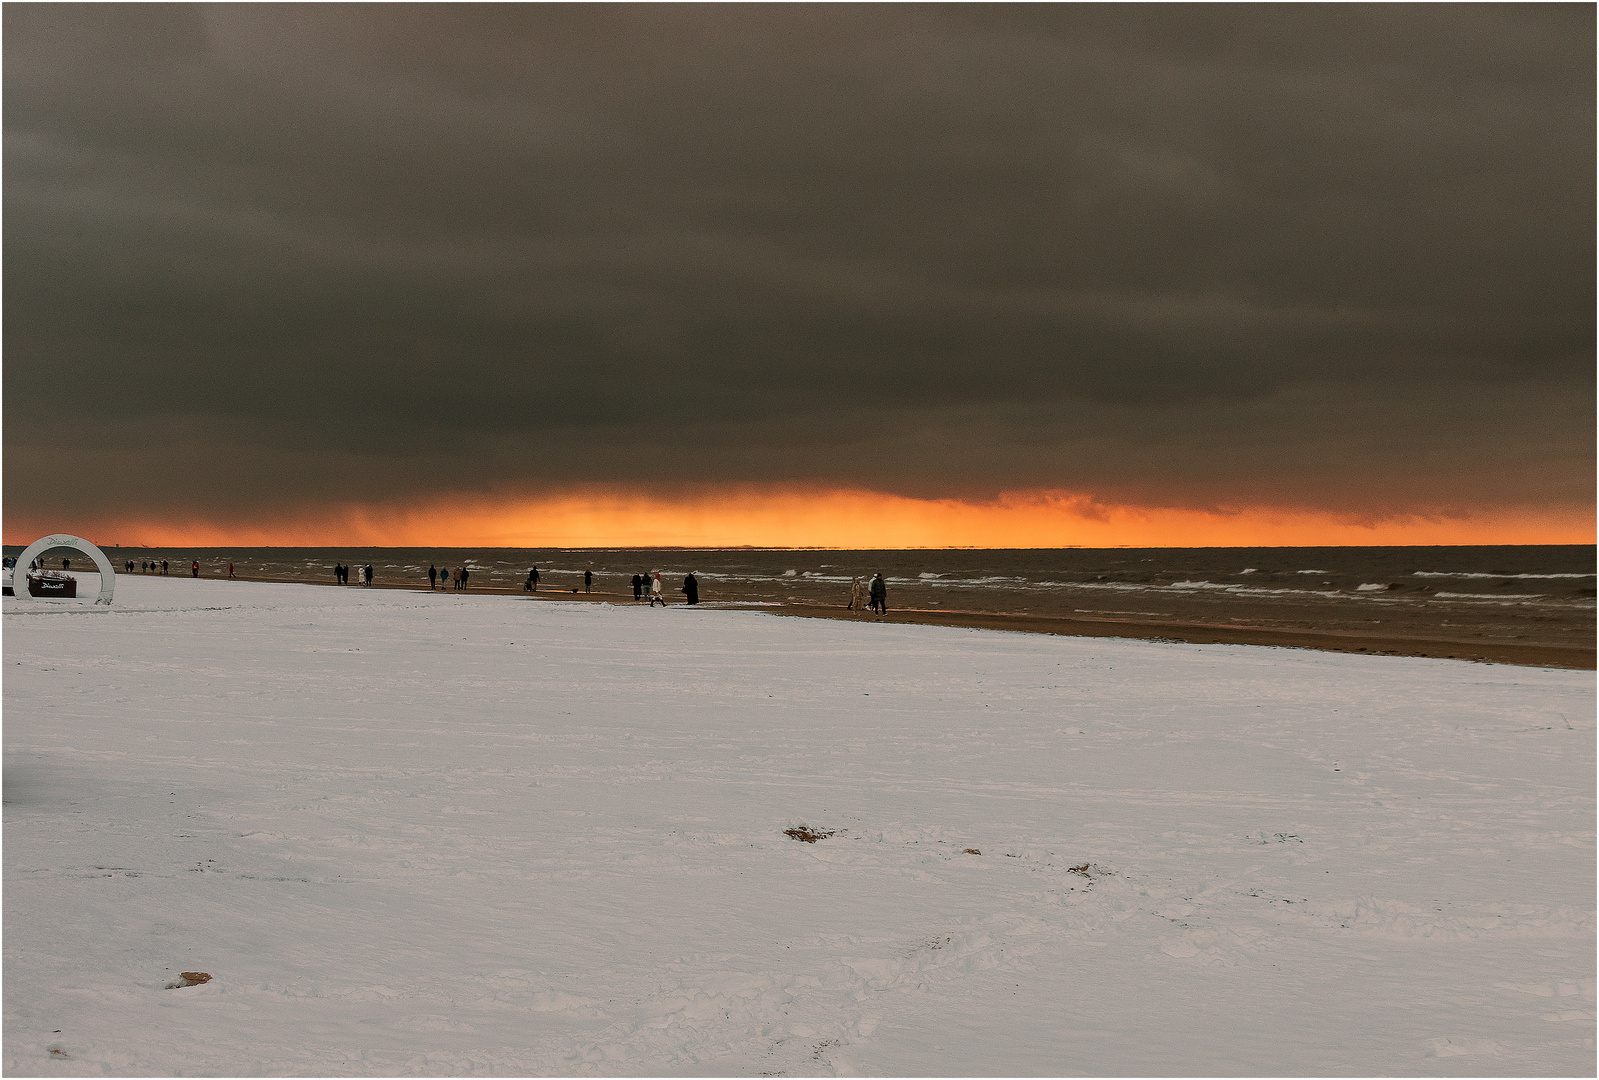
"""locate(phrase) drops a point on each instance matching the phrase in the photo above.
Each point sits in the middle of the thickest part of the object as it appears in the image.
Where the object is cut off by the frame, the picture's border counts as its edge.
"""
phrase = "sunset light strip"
(796, 518)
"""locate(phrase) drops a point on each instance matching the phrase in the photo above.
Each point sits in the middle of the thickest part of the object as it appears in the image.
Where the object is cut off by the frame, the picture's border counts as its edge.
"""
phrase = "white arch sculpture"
(108, 576)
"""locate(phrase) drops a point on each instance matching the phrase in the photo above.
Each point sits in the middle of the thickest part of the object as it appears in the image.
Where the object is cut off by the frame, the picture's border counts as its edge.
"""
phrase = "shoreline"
(1191, 633)
(1542, 656)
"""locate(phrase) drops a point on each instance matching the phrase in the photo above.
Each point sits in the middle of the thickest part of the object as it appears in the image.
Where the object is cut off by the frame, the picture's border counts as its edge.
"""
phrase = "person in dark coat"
(194, 568)
(879, 595)
(588, 580)
(369, 573)
(534, 576)
(691, 588)
(433, 576)
(638, 587)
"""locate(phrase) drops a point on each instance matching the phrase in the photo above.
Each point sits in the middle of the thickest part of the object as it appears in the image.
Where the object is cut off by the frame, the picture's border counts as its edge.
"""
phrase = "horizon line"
(804, 547)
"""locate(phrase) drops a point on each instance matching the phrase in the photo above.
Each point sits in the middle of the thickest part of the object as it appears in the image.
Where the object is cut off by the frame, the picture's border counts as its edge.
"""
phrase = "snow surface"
(412, 833)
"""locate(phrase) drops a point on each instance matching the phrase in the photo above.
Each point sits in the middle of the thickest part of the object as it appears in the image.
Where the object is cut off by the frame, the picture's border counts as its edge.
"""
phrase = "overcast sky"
(1325, 256)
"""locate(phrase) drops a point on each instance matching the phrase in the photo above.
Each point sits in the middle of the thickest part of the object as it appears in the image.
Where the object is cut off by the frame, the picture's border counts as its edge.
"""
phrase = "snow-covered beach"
(436, 834)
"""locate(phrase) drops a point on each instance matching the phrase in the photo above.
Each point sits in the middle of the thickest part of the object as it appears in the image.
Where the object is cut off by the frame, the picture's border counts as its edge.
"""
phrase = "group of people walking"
(652, 583)
(152, 567)
(446, 578)
(341, 574)
(872, 597)
(642, 584)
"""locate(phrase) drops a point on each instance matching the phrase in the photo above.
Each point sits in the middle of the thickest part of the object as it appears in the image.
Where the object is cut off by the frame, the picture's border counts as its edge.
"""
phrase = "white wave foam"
(1245, 590)
(1464, 574)
(1485, 596)
(1371, 588)
(1313, 571)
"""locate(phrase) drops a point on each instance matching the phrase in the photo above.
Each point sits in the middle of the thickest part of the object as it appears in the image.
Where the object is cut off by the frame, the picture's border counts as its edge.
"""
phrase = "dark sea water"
(1535, 594)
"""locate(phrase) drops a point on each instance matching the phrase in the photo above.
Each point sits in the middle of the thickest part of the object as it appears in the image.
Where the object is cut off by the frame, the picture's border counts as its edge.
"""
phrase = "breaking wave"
(1465, 574)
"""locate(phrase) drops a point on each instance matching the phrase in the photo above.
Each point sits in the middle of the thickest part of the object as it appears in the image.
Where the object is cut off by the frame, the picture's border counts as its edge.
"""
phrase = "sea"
(1535, 594)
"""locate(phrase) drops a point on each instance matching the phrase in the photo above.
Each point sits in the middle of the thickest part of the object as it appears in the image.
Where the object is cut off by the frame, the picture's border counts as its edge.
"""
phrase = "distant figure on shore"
(588, 580)
(369, 573)
(465, 575)
(638, 587)
(534, 575)
(857, 596)
(527, 586)
(163, 567)
(433, 576)
(879, 595)
(230, 572)
(66, 564)
(691, 588)
(194, 567)
(655, 590)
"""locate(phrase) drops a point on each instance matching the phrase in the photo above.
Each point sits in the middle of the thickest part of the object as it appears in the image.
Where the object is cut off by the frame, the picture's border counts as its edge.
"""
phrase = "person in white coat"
(857, 596)
(655, 590)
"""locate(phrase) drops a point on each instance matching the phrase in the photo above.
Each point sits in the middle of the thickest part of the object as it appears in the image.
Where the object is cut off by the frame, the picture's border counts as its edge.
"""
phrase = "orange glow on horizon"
(781, 518)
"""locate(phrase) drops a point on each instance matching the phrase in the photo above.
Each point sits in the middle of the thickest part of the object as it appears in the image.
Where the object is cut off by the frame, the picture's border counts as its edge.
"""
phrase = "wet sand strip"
(1492, 652)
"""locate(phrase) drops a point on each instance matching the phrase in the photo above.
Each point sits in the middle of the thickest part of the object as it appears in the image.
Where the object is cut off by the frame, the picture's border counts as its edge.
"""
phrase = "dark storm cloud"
(1333, 255)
